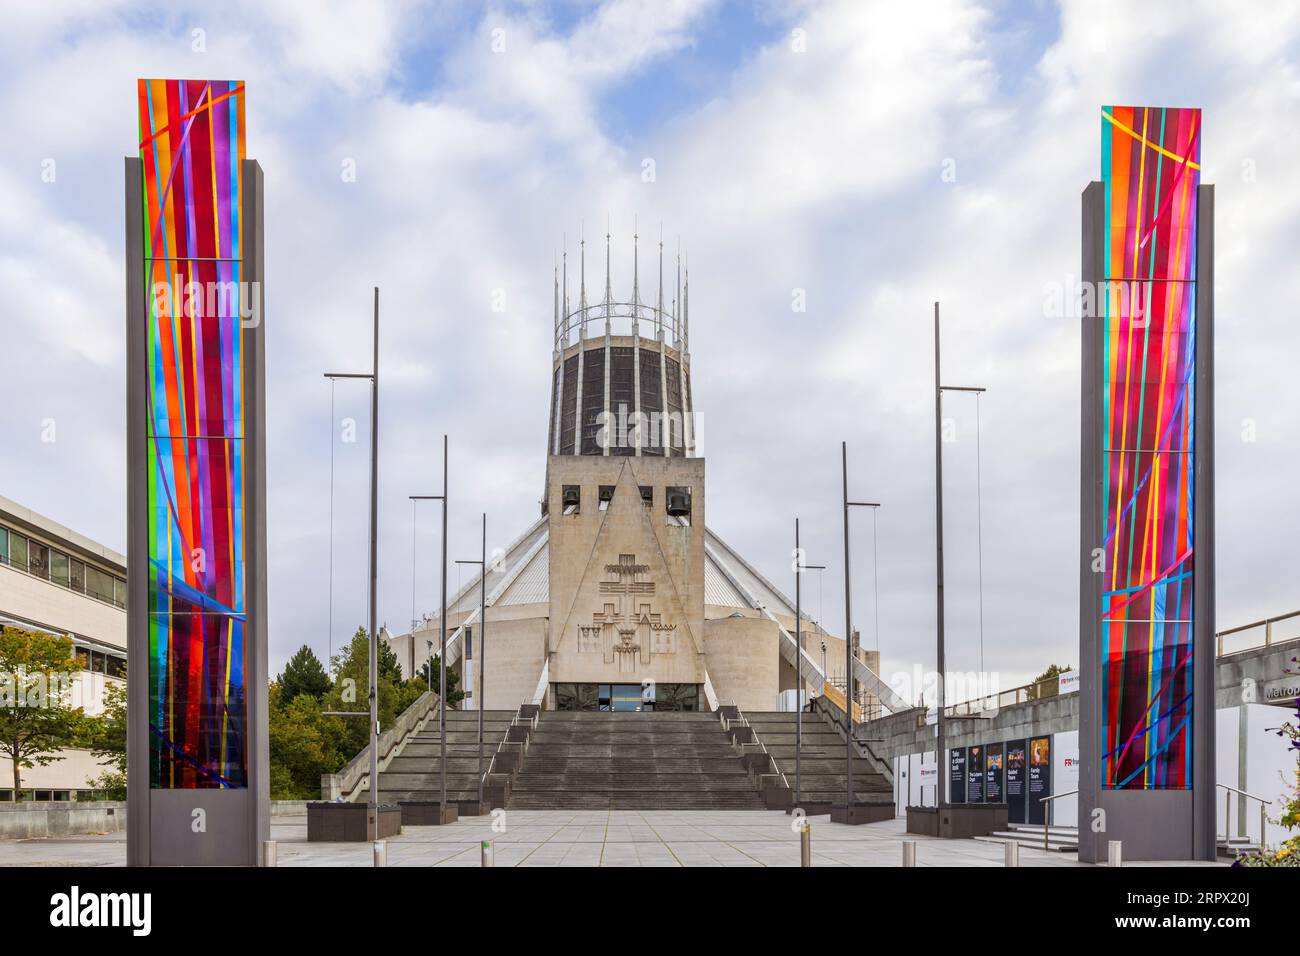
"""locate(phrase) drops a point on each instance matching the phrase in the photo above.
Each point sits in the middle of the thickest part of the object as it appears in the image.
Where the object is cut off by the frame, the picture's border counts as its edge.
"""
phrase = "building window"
(38, 560)
(59, 570)
(116, 666)
(119, 592)
(76, 575)
(99, 585)
(18, 551)
(4, 546)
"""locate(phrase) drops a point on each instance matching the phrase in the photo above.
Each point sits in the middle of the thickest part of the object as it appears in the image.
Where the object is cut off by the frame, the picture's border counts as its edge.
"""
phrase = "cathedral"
(620, 597)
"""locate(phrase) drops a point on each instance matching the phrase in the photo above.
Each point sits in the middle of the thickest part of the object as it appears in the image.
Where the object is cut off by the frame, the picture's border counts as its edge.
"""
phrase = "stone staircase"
(632, 761)
(823, 776)
(414, 774)
(1059, 839)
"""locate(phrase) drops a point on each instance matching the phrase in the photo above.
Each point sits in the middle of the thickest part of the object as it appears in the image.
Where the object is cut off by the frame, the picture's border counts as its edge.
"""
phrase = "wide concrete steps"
(1059, 839)
(650, 761)
(823, 776)
(415, 773)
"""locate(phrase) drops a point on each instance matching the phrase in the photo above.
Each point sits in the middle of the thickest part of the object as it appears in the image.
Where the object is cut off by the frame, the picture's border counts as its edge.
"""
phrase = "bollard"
(488, 854)
(1011, 853)
(909, 853)
(381, 853)
(805, 844)
(269, 854)
(1115, 853)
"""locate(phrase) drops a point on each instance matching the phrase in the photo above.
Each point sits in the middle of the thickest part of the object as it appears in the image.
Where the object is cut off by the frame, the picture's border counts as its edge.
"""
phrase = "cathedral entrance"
(627, 698)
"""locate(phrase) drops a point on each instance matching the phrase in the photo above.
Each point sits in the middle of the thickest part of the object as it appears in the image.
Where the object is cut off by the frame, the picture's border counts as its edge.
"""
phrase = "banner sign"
(1015, 781)
(957, 775)
(975, 775)
(993, 773)
(1040, 778)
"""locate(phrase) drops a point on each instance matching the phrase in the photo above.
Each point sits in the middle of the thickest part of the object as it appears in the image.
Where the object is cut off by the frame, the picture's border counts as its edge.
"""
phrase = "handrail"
(1038, 690)
(1048, 799)
(505, 739)
(344, 784)
(1227, 815)
(1267, 624)
(744, 722)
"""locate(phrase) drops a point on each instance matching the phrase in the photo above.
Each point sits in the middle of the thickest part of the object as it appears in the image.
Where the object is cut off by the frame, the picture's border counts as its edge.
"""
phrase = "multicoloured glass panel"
(191, 147)
(1151, 171)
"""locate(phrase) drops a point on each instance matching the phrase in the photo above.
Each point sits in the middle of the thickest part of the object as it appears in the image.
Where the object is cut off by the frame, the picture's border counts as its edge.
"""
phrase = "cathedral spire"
(659, 304)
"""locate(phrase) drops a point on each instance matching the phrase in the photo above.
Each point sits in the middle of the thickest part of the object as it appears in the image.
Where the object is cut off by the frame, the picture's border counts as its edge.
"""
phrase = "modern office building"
(55, 580)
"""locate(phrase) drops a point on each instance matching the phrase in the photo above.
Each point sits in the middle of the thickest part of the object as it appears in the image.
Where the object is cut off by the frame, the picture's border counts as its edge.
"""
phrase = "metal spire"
(659, 305)
(582, 282)
(609, 293)
(686, 309)
(556, 323)
(636, 265)
(677, 300)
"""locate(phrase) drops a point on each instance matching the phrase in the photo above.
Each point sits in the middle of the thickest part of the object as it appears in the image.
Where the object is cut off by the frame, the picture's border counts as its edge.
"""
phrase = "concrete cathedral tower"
(624, 500)
(618, 597)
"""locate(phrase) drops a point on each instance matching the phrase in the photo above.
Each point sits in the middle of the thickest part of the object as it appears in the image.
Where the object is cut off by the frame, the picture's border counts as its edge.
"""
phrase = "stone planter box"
(349, 822)
(957, 821)
(860, 813)
(778, 798)
(429, 813)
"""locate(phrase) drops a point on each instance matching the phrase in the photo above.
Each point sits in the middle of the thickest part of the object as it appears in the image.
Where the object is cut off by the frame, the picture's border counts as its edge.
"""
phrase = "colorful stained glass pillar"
(1146, 579)
(198, 768)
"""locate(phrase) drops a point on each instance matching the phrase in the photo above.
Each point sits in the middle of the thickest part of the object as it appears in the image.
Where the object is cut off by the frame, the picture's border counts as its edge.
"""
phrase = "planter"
(860, 813)
(429, 813)
(351, 823)
(958, 821)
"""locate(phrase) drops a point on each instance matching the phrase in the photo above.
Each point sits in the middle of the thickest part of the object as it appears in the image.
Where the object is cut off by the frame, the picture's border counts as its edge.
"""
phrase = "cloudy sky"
(876, 156)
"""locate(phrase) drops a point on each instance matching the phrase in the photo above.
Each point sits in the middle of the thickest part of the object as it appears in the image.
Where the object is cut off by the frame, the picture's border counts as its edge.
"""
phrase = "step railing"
(743, 721)
(344, 785)
(1242, 836)
(515, 721)
(1046, 801)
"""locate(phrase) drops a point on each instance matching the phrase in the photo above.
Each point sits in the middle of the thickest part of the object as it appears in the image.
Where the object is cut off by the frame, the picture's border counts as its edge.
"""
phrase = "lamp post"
(940, 765)
(848, 632)
(442, 623)
(372, 801)
(799, 568)
(482, 651)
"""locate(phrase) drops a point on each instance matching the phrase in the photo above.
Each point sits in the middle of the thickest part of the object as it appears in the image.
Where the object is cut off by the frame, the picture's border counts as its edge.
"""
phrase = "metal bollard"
(805, 844)
(487, 854)
(381, 853)
(1011, 853)
(270, 856)
(1115, 853)
(909, 853)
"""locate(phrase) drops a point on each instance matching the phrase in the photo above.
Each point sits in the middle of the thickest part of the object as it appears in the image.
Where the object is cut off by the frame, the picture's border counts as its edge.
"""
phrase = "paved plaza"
(587, 838)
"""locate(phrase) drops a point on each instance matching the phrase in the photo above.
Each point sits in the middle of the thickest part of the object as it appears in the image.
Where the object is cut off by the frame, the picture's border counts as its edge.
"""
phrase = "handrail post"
(1263, 819)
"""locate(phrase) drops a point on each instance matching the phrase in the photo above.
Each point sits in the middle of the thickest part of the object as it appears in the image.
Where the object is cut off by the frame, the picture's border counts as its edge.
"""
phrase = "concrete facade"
(40, 599)
(626, 579)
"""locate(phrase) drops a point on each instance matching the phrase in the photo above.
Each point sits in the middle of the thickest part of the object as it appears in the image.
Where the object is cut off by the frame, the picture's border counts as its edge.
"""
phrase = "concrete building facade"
(56, 581)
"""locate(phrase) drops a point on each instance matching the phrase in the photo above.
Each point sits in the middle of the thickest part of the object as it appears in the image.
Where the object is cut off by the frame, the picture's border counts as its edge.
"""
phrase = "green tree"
(37, 719)
(351, 669)
(1053, 670)
(304, 744)
(109, 742)
(304, 674)
(421, 680)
